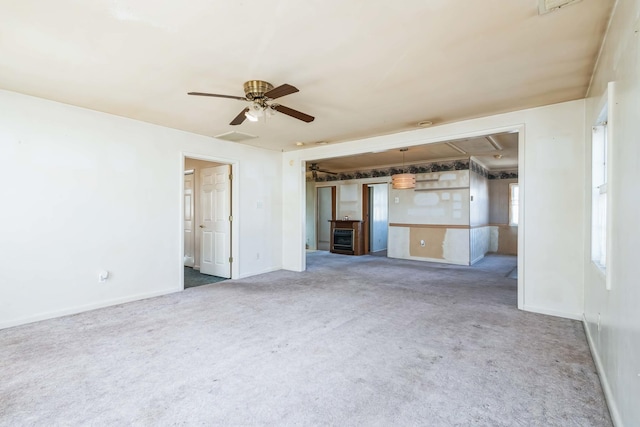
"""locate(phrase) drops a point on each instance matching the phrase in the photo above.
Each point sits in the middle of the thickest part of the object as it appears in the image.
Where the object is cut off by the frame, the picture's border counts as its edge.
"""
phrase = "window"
(514, 196)
(599, 195)
(602, 138)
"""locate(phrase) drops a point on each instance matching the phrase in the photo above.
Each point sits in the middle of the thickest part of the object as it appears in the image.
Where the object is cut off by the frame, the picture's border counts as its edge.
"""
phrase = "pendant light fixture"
(403, 181)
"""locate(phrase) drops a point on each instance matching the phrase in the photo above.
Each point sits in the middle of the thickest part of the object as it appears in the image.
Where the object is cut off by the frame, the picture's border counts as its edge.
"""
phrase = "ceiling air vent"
(546, 6)
(235, 136)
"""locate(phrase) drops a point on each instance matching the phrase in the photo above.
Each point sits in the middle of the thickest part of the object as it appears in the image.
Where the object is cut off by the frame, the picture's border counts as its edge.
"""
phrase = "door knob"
(201, 226)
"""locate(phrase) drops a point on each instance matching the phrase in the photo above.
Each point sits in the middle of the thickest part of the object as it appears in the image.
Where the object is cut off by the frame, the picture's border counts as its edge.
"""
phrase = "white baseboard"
(556, 313)
(268, 270)
(608, 395)
(438, 260)
(82, 308)
(478, 259)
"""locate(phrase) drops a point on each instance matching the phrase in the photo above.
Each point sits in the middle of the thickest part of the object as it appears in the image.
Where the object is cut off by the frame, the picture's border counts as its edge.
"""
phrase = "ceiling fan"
(259, 93)
(314, 168)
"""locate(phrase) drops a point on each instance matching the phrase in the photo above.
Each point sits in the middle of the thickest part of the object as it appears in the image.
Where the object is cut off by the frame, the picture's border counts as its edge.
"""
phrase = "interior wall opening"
(464, 210)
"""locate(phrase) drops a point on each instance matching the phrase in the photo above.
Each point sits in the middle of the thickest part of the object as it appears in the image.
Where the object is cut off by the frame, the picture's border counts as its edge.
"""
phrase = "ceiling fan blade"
(293, 113)
(239, 118)
(324, 171)
(281, 90)
(215, 95)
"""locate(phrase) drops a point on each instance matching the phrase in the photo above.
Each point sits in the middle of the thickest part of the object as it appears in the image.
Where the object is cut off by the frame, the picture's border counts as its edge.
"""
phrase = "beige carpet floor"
(352, 341)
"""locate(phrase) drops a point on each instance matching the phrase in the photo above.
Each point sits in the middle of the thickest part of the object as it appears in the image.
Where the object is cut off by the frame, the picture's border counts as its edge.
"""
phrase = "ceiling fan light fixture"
(251, 116)
(255, 112)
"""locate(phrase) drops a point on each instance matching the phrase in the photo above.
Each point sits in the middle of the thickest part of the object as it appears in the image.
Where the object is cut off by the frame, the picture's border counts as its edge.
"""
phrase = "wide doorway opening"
(464, 209)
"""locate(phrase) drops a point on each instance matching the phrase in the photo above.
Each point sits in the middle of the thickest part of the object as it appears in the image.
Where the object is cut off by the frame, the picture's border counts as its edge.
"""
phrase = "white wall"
(446, 201)
(551, 241)
(479, 205)
(349, 200)
(83, 191)
(312, 195)
(480, 242)
(480, 233)
(616, 344)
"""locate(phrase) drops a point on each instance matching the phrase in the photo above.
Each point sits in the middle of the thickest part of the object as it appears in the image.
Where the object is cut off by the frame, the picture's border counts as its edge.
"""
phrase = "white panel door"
(215, 224)
(189, 241)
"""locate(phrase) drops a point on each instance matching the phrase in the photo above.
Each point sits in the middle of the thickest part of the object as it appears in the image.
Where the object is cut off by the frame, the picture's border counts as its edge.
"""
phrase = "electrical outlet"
(422, 243)
(103, 276)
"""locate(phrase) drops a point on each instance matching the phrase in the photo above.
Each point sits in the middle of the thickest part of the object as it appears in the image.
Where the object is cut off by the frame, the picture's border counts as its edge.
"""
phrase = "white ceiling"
(363, 68)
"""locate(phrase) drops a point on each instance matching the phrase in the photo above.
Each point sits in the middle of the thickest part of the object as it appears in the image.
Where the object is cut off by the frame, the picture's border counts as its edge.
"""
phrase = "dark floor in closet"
(193, 278)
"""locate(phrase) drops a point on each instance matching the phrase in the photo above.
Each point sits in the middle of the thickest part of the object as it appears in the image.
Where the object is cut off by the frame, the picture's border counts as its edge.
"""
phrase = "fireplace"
(346, 237)
(343, 239)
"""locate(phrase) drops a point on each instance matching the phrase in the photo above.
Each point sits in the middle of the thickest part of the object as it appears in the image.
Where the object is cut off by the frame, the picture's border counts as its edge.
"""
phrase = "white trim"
(539, 310)
(521, 219)
(481, 257)
(604, 382)
(409, 139)
(84, 308)
(511, 186)
(436, 260)
(610, 186)
(267, 270)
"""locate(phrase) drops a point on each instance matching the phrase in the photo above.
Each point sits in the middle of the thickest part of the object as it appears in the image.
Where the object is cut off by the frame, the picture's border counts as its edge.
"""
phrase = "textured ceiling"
(363, 68)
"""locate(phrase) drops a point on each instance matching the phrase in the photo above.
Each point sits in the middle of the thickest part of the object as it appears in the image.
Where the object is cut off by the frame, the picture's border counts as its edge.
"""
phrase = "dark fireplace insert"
(343, 239)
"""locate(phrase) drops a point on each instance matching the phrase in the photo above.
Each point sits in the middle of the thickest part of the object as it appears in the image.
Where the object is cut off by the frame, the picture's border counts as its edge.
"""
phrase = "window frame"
(602, 139)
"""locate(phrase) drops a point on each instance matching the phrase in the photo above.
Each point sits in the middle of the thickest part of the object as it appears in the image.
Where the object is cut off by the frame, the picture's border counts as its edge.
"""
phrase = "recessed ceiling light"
(299, 144)
(425, 123)
(497, 156)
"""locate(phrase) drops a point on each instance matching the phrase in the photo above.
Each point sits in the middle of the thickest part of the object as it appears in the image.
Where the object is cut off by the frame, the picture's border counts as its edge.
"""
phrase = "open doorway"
(207, 222)
(325, 212)
(464, 210)
(375, 214)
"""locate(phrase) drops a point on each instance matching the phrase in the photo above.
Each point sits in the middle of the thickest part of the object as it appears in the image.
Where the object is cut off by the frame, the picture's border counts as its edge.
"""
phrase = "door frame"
(190, 172)
(407, 140)
(235, 210)
(366, 218)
